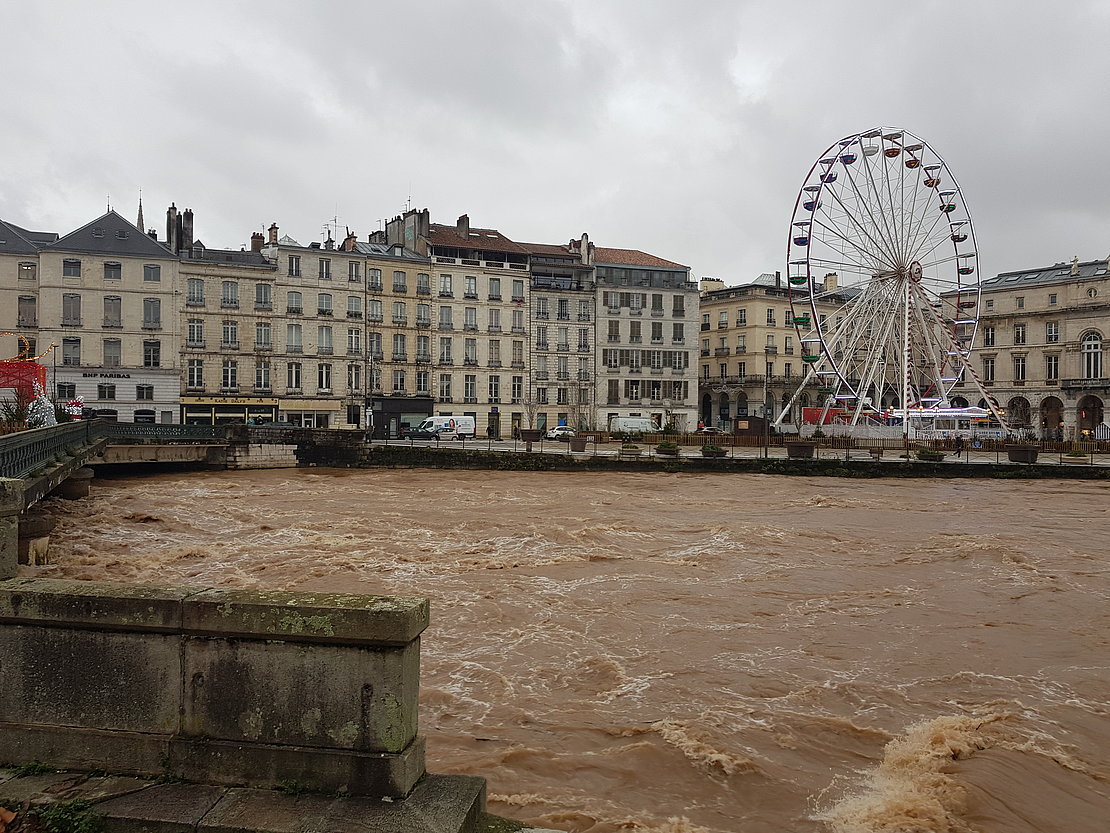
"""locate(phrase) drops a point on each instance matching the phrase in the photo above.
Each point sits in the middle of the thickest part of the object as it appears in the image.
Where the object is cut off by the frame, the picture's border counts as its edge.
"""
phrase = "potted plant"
(1022, 452)
(710, 450)
(667, 449)
(929, 455)
(798, 449)
(578, 443)
(530, 435)
(629, 449)
(1075, 456)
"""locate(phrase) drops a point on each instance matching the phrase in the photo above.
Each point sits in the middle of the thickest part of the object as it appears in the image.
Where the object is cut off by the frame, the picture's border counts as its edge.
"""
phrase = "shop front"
(206, 410)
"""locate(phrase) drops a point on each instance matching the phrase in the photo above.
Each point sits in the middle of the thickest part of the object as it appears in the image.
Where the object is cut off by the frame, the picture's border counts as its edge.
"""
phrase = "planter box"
(531, 435)
(1019, 453)
(577, 443)
(799, 450)
(714, 452)
(667, 452)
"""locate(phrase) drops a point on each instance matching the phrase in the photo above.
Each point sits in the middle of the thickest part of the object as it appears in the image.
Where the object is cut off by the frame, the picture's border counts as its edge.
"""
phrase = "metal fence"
(25, 452)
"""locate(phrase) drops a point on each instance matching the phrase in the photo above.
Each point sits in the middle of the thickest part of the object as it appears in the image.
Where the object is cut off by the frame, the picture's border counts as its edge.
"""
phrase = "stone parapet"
(230, 687)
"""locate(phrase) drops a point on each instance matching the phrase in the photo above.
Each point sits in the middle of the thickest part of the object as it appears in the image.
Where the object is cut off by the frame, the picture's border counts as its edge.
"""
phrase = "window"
(705, 321)
(470, 351)
(1020, 301)
(323, 377)
(1052, 299)
(374, 279)
(112, 352)
(71, 310)
(28, 272)
(324, 344)
(152, 354)
(113, 311)
(293, 376)
(354, 341)
(771, 317)
(470, 318)
(194, 292)
(788, 346)
(144, 392)
(445, 286)
(293, 343)
(1052, 332)
(1019, 368)
(679, 308)
(471, 286)
(584, 310)
(152, 313)
(229, 333)
(325, 269)
(400, 349)
(423, 284)
(113, 271)
(400, 316)
(722, 319)
(771, 341)
(470, 388)
(294, 266)
(229, 294)
(543, 312)
(399, 282)
(990, 304)
(1092, 356)
(741, 343)
(518, 353)
(194, 332)
(988, 336)
(262, 374)
(584, 335)
(354, 271)
(229, 379)
(263, 296)
(494, 388)
(152, 273)
(323, 304)
(262, 335)
(677, 336)
(495, 289)
(71, 268)
(445, 387)
(517, 390)
(354, 377)
(614, 334)
(988, 370)
(27, 311)
(518, 321)
(741, 317)
(494, 320)
(1019, 334)
(354, 306)
(423, 348)
(294, 304)
(398, 381)
(105, 391)
(495, 352)
(445, 351)
(66, 390)
(374, 345)
(194, 377)
(374, 310)
(1051, 368)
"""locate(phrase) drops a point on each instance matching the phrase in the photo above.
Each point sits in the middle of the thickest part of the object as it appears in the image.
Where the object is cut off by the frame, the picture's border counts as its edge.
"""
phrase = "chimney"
(187, 229)
(830, 282)
(349, 241)
(152, 233)
(273, 230)
(778, 279)
(462, 227)
(171, 228)
(586, 250)
(256, 241)
(329, 244)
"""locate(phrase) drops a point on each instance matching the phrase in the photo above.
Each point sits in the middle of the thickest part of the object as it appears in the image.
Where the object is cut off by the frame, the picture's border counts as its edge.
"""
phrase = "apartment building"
(647, 310)
(749, 355)
(99, 305)
(1040, 348)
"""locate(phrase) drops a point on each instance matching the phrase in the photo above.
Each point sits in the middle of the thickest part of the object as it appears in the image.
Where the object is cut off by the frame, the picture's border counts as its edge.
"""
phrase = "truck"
(444, 428)
(631, 425)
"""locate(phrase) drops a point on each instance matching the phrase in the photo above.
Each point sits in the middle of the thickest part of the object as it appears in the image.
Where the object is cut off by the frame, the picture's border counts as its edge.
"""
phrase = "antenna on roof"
(109, 201)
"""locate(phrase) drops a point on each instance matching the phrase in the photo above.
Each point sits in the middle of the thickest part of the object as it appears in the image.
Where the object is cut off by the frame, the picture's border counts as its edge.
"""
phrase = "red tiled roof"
(632, 257)
(480, 238)
(556, 249)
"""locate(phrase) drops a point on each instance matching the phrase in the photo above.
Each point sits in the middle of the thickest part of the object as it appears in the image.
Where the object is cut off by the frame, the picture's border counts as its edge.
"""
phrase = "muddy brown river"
(691, 653)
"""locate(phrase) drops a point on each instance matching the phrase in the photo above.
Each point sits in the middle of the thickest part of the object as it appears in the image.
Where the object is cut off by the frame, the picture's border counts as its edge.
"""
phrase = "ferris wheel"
(881, 269)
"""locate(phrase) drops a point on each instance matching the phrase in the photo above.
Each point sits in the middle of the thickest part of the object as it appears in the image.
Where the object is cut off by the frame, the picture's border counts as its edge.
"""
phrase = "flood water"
(690, 653)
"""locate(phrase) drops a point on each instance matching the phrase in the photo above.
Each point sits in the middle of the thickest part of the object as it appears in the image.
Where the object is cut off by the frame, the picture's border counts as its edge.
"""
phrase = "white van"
(631, 425)
(445, 428)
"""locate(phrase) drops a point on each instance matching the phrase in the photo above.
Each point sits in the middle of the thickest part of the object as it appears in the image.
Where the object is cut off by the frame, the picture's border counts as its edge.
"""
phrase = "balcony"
(152, 325)
(563, 347)
(194, 302)
(229, 388)
(657, 339)
(1086, 384)
(229, 303)
(263, 306)
(471, 295)
(542, 345)
(541, 375)
(294, 310)
(446, 325)
(446, 361)
(494, 328)
(71, 322)
(635, 310)
(423, 323)
(324, 351)
(423, 358)
(294, 348)
(354, 351)
(494, 363)
(769, 350)
(635, 339)
(423, 290)
(678, 313)
(583, 375)
(583, 348)
(517, 328)
(400, 357)
(495, 297)
(721, 351)
(400, 319)
(470, 362)
(352, 313)
(325, 312)
(470, 327)
(583, 316)
(229, 345)
(678, 341)
(195, 344)
(542, 316)
(375, 286)
(263, 347)
(400, 287)
(517, 365)
(33, 321)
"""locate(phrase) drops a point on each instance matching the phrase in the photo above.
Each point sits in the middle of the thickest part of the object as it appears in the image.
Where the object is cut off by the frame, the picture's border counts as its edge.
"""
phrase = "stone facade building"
(749, 355)
(100, 305)
(1040, 348)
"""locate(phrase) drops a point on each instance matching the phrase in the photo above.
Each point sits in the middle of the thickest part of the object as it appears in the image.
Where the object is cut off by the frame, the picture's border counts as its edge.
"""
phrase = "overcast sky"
(684, 129)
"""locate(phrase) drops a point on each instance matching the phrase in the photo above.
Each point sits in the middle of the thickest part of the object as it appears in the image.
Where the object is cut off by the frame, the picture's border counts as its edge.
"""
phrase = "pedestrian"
(959, 446)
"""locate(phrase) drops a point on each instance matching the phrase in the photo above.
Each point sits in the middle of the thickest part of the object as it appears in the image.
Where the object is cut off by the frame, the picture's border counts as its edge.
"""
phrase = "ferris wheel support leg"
(810, 374)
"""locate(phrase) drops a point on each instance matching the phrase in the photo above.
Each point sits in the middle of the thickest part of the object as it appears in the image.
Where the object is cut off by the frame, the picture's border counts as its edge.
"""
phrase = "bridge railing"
(26, 452)
(160, 432)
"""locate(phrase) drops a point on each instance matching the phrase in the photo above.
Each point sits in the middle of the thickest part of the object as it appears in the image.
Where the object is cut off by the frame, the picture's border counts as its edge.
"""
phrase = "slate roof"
(17, 241)
(111, 234)
(1057, 273)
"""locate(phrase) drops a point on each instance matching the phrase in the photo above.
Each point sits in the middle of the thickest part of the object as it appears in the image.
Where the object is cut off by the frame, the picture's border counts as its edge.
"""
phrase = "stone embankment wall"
(215, 686)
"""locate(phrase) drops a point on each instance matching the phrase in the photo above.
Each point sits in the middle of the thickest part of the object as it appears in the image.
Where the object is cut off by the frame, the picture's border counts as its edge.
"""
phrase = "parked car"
(560, 432)
(709, 429)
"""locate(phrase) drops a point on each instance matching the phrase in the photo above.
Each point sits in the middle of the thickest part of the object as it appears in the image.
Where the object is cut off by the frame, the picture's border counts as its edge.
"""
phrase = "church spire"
(139, 222)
